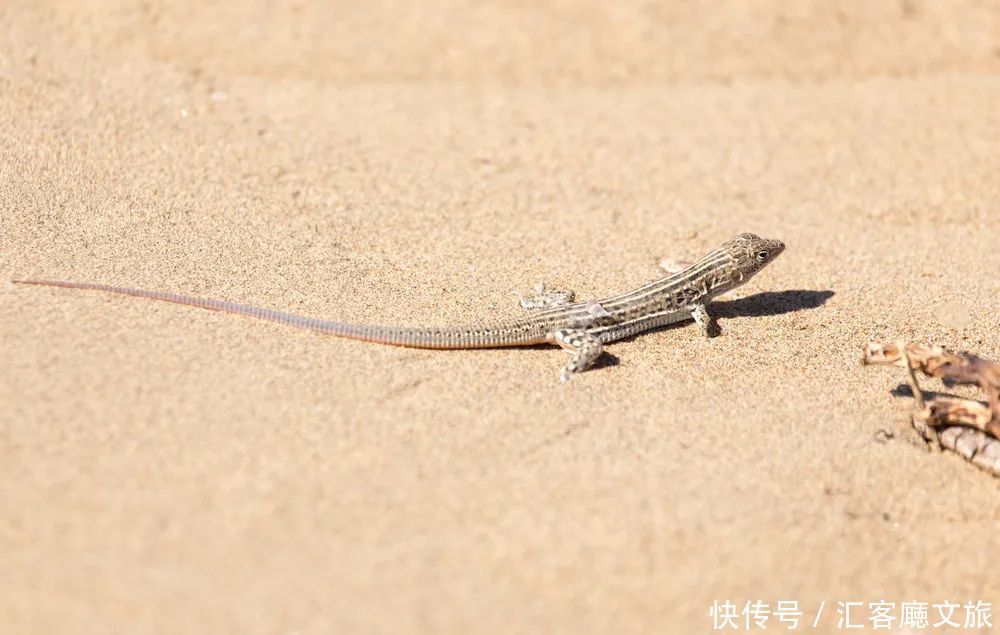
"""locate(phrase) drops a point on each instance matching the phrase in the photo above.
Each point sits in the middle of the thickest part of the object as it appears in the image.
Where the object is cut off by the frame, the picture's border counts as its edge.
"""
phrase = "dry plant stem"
(954, 369)
(931, 436)
(975, 446)
(965, 426)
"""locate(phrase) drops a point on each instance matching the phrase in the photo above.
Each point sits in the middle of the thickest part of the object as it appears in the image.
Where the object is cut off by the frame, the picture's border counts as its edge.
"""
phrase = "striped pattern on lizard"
(582, 328)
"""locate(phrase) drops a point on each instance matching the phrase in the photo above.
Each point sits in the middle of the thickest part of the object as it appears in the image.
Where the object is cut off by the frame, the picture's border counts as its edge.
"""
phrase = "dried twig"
(945, 420)
(974, 446)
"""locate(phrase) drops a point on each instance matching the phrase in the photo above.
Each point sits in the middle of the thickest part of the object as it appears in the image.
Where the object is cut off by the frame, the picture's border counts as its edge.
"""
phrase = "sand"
(165, 469)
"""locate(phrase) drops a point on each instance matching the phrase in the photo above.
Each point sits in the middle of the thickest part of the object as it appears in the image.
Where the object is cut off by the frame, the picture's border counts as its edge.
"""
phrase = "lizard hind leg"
(584, 349)
(546, 299)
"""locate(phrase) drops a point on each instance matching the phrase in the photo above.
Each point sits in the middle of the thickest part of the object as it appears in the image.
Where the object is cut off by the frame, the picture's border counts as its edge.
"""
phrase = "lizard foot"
(584, 349)
(546, 299)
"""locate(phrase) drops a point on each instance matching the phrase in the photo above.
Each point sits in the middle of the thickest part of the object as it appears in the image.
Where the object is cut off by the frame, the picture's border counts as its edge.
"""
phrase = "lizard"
(581, 328)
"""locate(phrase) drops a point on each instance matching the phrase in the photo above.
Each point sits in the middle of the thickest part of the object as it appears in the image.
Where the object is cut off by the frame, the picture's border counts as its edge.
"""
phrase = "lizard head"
(748, 254)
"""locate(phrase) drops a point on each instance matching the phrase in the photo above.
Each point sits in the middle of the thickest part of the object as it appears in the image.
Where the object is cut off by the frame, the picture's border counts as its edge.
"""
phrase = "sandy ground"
(164, 469)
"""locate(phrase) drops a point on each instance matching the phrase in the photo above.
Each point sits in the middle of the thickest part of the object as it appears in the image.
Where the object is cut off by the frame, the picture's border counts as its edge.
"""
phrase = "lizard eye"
(761, 256)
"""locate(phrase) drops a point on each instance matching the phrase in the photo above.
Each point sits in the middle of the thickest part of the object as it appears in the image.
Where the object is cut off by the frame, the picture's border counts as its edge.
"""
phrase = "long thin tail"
(397, 336)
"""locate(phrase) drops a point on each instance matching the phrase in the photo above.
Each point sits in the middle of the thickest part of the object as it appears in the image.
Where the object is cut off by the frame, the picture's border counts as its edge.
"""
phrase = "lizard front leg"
(584, 349)
(705, 320)
(546, 299)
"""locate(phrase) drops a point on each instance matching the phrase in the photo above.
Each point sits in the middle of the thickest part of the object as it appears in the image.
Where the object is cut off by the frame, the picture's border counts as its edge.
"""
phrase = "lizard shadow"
(771, 303)
(606, 360)
(903, 390)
